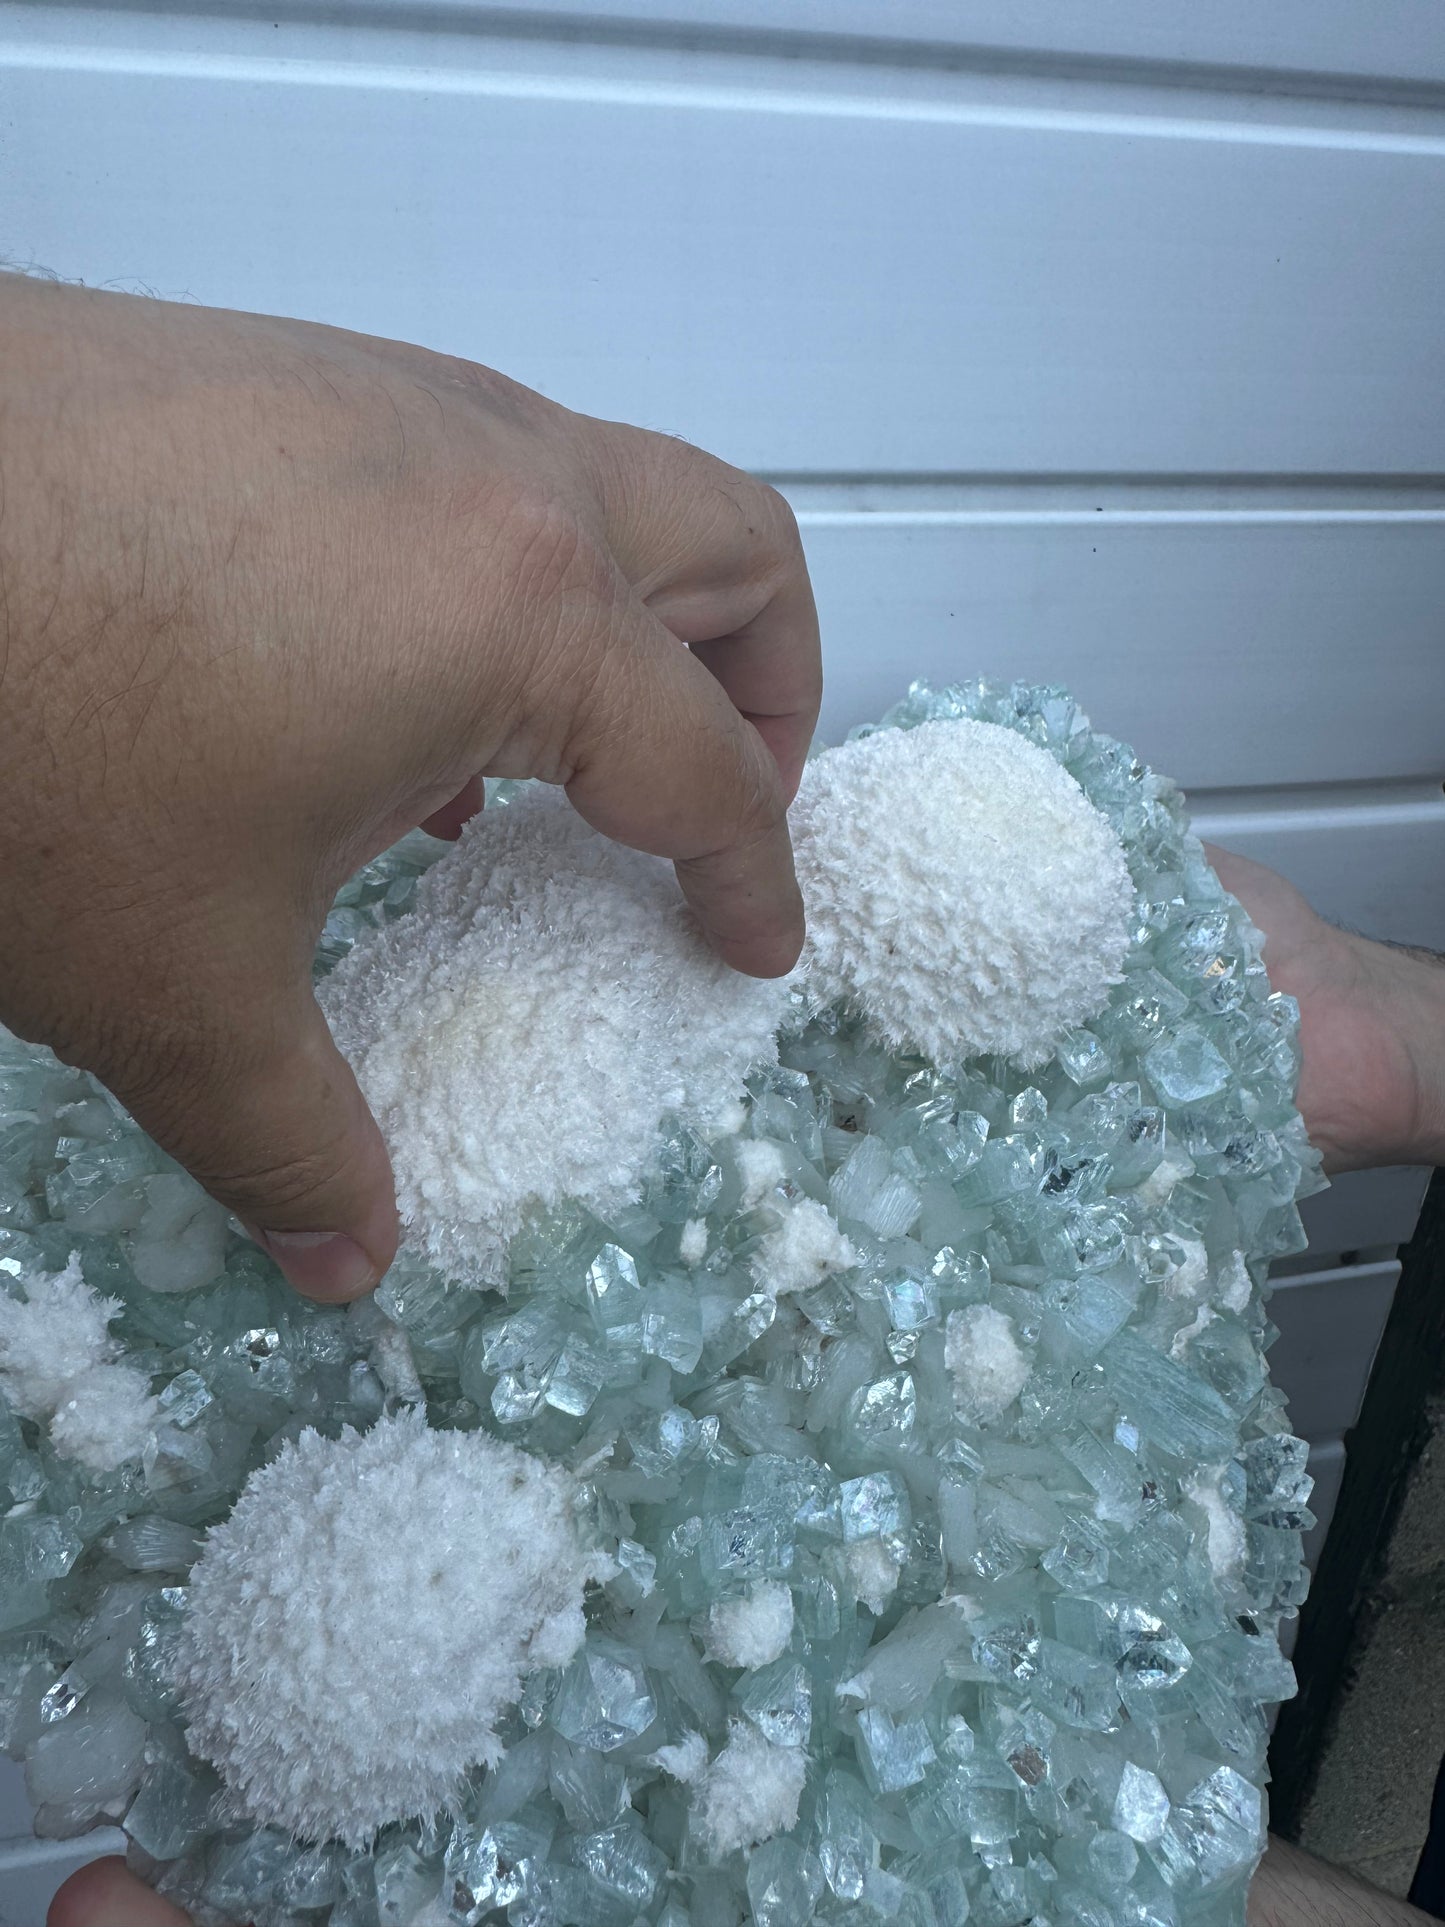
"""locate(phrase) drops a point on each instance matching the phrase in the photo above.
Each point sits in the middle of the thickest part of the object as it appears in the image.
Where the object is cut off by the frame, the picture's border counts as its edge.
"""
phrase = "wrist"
(1404, 989)
(1416, 1007)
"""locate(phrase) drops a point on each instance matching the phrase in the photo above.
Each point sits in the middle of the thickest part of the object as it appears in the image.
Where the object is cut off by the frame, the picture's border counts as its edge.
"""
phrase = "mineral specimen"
(900, 1406)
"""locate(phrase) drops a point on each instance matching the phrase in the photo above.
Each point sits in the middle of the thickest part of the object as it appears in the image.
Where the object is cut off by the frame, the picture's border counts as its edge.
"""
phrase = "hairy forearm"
(1293, 1889)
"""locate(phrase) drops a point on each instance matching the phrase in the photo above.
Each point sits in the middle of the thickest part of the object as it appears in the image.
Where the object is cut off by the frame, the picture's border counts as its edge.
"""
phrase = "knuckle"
(499, 394)
(549, 556)
(284, 1178)
(760, 805)
(782, 523)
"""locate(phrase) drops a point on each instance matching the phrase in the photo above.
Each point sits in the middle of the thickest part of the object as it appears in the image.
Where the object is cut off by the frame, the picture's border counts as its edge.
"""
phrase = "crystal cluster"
(923, 1419)
(525, 1032)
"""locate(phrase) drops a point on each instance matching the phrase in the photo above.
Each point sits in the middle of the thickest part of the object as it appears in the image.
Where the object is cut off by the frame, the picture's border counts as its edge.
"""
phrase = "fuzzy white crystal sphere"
(358, 1625)
(522, 1034)
(963, 894)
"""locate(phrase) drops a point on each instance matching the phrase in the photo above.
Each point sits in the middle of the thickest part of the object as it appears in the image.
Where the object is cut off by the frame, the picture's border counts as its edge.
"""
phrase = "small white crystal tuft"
(53, 1335)
(806, 1248)
(753, 1630)
(692, 1244)
(962, 892)
(359, 1624)
(106, 1418)
(872, 1568)
(750, 1792)
(761, 1167)
(1236, 1287)
(58, 1362)
(686, 1762)
(987, 1363)
(1189, 1279)
(1225, 1542)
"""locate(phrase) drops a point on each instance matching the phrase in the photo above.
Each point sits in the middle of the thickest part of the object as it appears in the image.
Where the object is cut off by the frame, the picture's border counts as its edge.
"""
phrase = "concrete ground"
(1369, 1808)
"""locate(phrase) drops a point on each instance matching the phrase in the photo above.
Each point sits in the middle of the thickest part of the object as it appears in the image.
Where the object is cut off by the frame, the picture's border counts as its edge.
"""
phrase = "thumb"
(104, 1894)
(267, 1115)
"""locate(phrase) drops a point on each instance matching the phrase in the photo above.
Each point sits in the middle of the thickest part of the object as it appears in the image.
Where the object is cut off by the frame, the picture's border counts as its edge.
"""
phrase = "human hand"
(274, 594)
(1372, 1026)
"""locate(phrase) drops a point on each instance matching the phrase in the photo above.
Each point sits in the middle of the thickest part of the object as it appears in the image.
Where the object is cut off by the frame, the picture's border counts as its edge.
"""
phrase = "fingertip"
(274, 1125)
(105, 1893)
(449, 821)
(324, 1265)
(663, 760)
(335, 1267)
(768, 951)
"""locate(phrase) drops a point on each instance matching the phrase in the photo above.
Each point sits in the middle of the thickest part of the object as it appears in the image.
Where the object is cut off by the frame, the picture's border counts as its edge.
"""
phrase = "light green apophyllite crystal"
(1030, 1643)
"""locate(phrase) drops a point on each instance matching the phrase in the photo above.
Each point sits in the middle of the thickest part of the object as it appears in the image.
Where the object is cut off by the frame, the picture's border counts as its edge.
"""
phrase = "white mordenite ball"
(358, 1625)
(524, 1031)
(963, 895)
(59, 1364)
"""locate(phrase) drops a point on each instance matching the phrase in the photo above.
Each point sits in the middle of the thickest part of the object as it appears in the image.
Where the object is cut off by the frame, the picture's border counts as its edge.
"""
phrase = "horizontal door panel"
(1378, 868)
(1364, 1210)
(1229, 650)
(1401, 40)
(30, 1871)
(1327, 1469)
(1329, 1327)
(788, 262)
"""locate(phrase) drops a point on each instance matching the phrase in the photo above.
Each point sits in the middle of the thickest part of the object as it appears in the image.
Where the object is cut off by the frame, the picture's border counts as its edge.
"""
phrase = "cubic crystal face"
(1036, 1569)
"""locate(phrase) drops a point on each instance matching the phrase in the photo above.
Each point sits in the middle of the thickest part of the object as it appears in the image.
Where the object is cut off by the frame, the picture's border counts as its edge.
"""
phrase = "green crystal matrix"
(1081, 1744)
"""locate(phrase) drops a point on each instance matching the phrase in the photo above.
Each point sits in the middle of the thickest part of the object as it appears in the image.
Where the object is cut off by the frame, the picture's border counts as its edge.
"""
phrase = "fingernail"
(320, 1264)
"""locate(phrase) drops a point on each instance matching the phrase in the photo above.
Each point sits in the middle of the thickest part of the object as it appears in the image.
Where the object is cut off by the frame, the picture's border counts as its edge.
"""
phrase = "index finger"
(716, 556)
(771, 671)
(662, 760)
